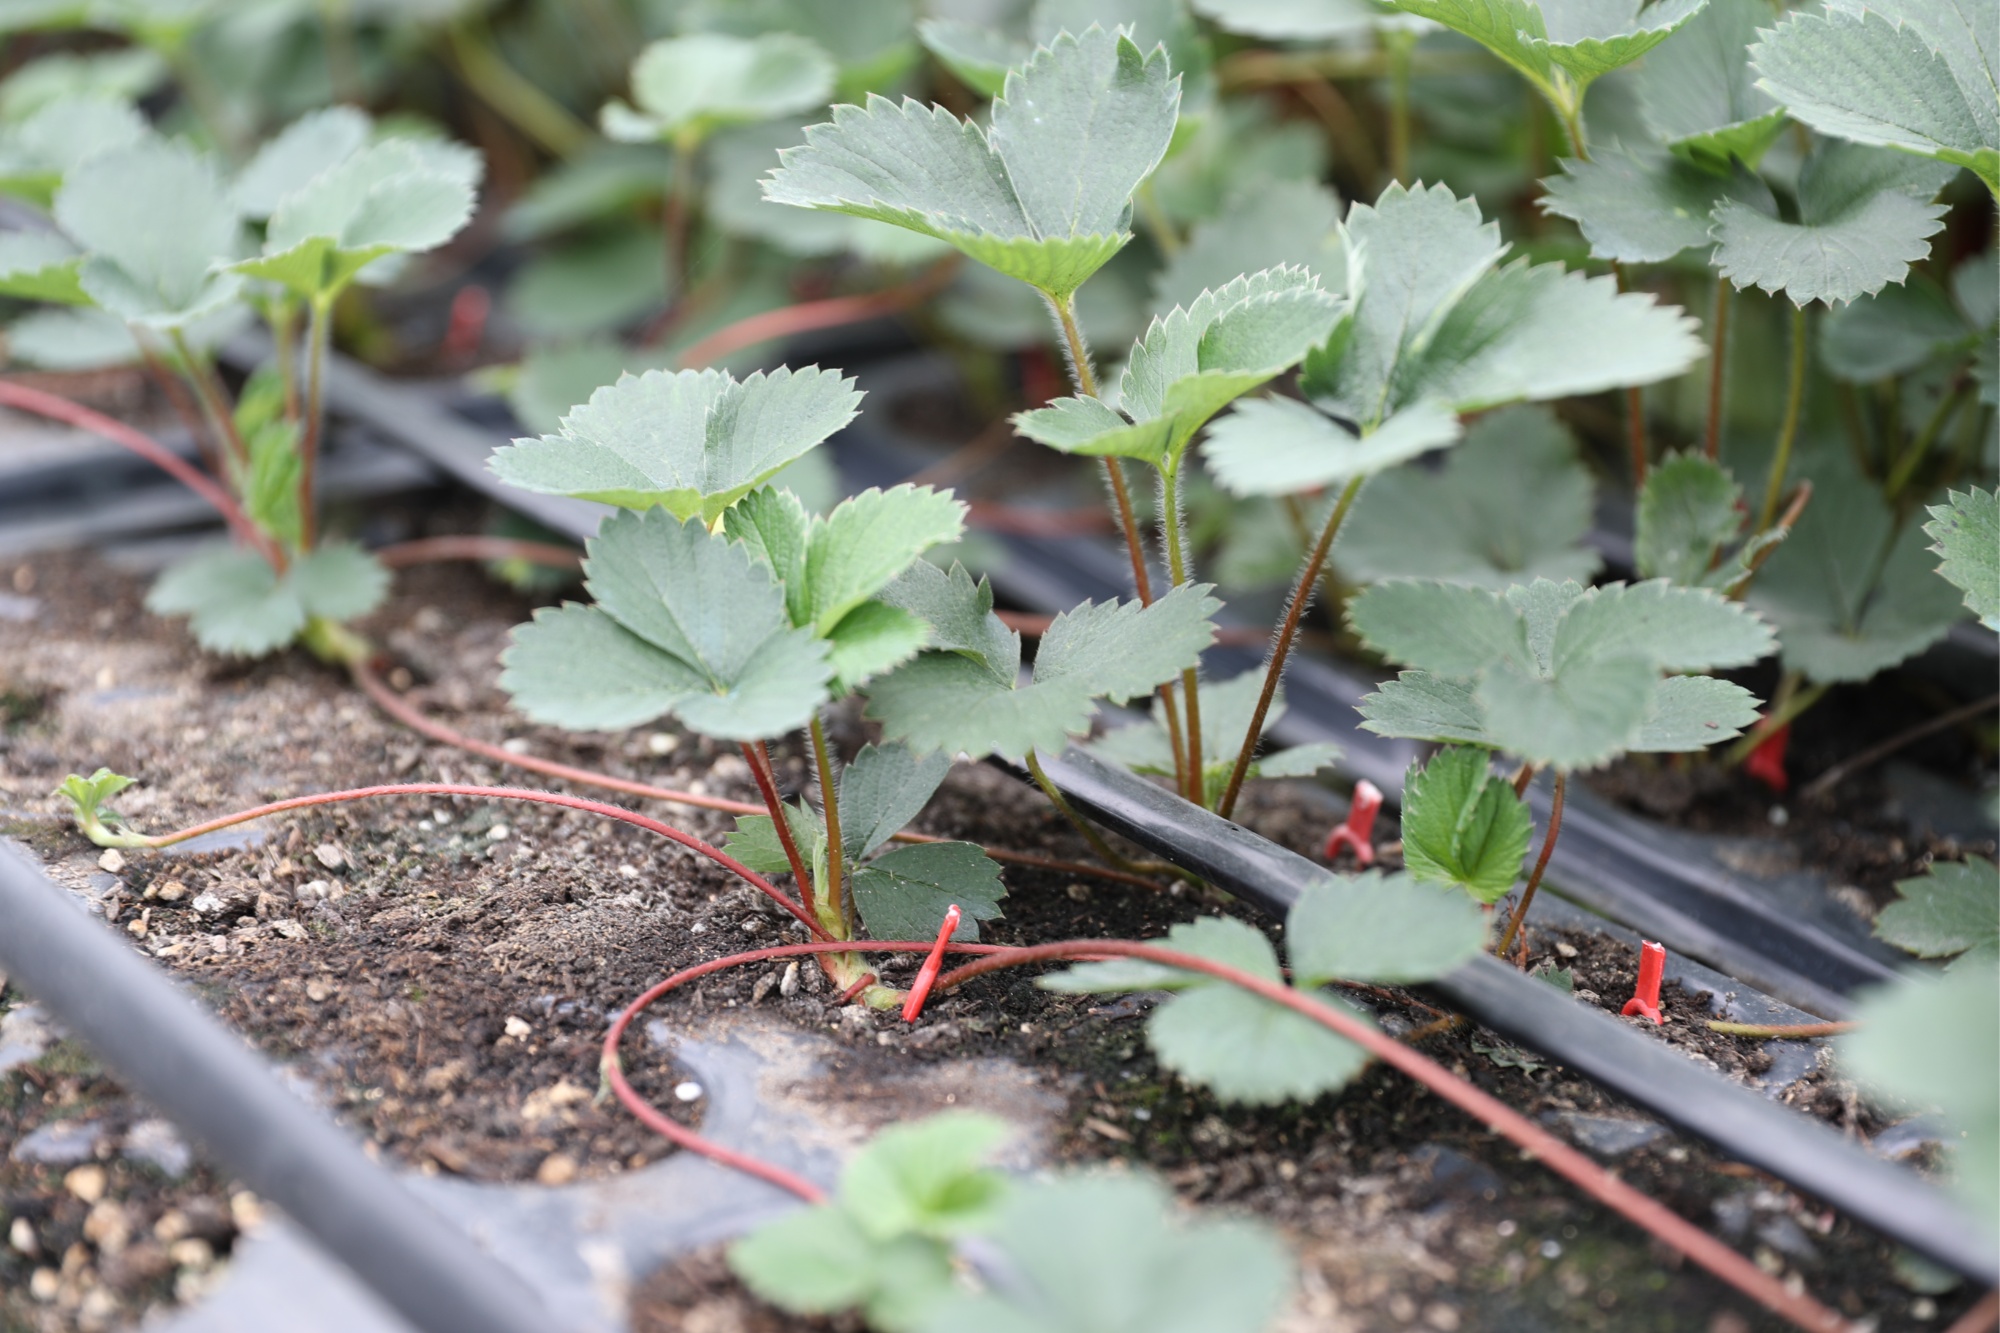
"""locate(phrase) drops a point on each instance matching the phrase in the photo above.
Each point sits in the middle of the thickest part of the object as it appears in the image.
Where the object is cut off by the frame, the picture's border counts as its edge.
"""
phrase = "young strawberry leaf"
(882, 1244)
(1699, 93)
(692, 442)
(1951, 911)
(1043, 195)
(903, 894)
(688, 87)
(39, 153)
(1462, 826)
(1436, 329)
(1279, 223)
(1557, 674)
(1191, 364)
(882, 790)
(154, 221)
(1966, 530)
(1509, 505)
(686, 623)
(1865, 217)
(396, 196)
(1227, 707)
(1849, 594)
(1929, 1041)
(87, 797)
(1641, 205)
(317, 141)
(238, 605)
(269, 485)
(755, 842)
(964, 696)
(1106, 1254)
(1687, 513)
(1560, 46)
(40, 266)
(1914, 75)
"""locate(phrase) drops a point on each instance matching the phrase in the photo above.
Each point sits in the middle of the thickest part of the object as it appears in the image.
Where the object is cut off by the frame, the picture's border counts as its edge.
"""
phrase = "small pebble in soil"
(498, 833)
(556, 1169)
(21, 1237)
(788, 985)
(515, 745)
(86, 1183)
(159, 1144)
(689, 1091)
(516, 1027)
(659, 743)
(629, 872)
(112, 862)
(1779, 816)
(1551, 1249)
(330, 856)
(1506, 1228)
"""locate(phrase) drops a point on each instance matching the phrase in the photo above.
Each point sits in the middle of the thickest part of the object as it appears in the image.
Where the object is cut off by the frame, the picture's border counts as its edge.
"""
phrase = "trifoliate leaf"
(313, 143)
(1560, 46)
(686, 623)
(40, 152)
(692, 442)
(902, 895)
(1865, 217)
(1043, 195)
(1279, 446)
(1282, 223)
(1190, 364)
(882, 790)
(1301, 20)
(1463, 826)
(960, 614)
(1107, 1254)
(1385, 928)
(1925, 1041)
(1952, 910)
(1687, 513)
(1642, 206)
(87, 797)
(40, 266)
(153, 218)
(955, 701)
(1227, 707)
(1555, 673)
(397, 196)
(1699, 93)
(1850, 595)
(690, 86)
(1915, 75)
(1509, 505)
(1966, 530)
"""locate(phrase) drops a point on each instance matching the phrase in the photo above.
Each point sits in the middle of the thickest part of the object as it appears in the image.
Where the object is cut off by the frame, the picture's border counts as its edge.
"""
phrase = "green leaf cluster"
(238, 605)
(1043, 193)
(1950, 911)
(1463, 826)
(1965, 531)
(1227, 707)
(1557, 674)
(1245, 1048)
(88, 799)
(1191, 363)
(964, 693)
(1437, 326)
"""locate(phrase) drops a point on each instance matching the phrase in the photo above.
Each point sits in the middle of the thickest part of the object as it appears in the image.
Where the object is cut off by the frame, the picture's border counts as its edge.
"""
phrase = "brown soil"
(383, 951)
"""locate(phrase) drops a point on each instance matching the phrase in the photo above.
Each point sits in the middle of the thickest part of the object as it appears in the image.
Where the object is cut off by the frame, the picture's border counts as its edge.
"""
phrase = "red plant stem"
(1600, 1184)
(57, 408)
(1981, 1318)
(424, 550)
(1142, 583)
(861, 983)
(619, 813)
(920, 989)
(1541, 864)
(402, 711)
(759, 760)
(808, 315)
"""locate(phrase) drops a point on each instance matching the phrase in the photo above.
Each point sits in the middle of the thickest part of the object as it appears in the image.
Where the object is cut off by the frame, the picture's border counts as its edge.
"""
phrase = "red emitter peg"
(927, 975)
(1359, 830)
(1646, 996)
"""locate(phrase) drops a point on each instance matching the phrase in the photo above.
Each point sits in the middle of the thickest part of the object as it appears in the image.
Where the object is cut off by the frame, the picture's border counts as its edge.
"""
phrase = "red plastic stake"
(1359, 830)
(465, 329)
(927, 975)
(1646, 995)
(1767, 762)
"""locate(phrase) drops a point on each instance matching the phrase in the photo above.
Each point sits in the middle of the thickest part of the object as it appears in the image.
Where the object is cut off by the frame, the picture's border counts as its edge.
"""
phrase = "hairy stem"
(1788, 430)
(1177, 570)
(829, 800)
(1078, 355)
(1281, 646)
(1718, 359)
(1541, 864)
(759, 760)
(315, 422)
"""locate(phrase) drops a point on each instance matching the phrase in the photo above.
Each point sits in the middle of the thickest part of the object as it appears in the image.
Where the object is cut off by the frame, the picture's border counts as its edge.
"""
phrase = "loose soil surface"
(438, 974)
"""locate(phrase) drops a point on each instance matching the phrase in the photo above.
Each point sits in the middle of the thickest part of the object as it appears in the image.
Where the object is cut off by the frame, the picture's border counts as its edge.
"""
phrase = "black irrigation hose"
(166, 1048)
(1746, 1126)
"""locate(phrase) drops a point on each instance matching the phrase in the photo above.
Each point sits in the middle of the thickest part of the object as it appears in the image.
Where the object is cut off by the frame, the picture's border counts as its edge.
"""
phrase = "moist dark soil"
(438, 972)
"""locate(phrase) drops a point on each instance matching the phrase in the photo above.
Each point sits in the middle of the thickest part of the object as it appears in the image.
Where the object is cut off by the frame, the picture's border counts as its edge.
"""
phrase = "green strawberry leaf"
(868, 541)
(1190, 364)
(1043, 195)
(40, 266)
(1278, 446)
(755, 842)
(978, 54)
(1384, 928)
(154, 222)
(1509, 505)
(1227, 707)
(903, 894)
(1966, 533)
(1641, 206)
(1896, 331)
(882, 790)
(927, 1178)
(1280, 223)
(1560, 46)
(1464, 827)
(238, 605)
(1913, 75)
(40, 151)
(87, 797)
(1953, 910)
(1687, 513)
(692, 442)
(317, 141)
(687, 623)
(687, 87)
(1700, 95)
